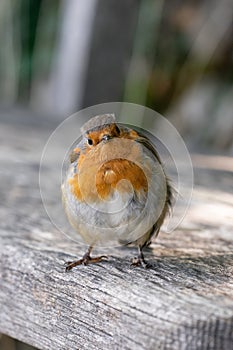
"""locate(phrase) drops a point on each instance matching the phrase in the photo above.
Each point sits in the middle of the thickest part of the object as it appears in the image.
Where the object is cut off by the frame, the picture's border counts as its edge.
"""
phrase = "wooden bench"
(184, 302)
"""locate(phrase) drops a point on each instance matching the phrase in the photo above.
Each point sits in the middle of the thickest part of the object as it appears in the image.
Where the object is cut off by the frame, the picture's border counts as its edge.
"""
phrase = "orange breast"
(74, 187)
(102, 168)
(113, 171)
(106, 181)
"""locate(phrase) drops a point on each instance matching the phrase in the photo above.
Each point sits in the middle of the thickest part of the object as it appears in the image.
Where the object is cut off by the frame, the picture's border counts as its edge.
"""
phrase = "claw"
(137, 261)
(140, 260)
(87, 259)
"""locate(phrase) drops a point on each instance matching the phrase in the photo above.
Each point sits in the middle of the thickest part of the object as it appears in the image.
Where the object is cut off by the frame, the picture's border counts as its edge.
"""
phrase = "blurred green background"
(173, 56)
(59, 56)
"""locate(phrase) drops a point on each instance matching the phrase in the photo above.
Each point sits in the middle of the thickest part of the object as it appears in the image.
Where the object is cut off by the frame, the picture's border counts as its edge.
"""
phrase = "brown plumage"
(115, 188)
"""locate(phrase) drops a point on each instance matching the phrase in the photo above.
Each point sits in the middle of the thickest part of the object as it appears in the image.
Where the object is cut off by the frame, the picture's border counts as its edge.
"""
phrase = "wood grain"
(184, 302)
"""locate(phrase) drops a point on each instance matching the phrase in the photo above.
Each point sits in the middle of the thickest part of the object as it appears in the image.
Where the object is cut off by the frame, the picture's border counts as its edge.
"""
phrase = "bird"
(115, 189)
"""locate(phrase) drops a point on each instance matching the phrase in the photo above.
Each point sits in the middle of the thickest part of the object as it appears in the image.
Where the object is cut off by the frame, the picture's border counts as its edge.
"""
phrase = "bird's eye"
(106, 137)
(89, 141)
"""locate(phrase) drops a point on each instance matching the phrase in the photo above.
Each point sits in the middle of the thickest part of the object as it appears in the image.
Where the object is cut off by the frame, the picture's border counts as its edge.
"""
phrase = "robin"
(115, 189)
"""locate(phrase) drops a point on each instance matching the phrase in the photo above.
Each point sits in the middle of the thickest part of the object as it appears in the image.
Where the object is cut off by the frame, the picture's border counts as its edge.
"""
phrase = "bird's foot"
(139, 261)
(85, 260)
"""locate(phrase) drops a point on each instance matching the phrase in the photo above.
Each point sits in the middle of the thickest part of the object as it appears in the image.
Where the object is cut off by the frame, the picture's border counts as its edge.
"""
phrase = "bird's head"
(102, 134)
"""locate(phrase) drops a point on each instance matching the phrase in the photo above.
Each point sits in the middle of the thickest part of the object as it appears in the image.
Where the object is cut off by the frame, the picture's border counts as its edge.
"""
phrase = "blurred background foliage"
(58, 56)
(176, 57)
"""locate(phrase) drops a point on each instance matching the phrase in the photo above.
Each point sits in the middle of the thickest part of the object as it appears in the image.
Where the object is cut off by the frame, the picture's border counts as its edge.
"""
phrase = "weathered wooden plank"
(184, 302)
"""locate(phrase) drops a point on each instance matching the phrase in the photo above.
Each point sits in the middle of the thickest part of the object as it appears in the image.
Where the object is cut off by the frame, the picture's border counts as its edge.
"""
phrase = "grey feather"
(98, 121)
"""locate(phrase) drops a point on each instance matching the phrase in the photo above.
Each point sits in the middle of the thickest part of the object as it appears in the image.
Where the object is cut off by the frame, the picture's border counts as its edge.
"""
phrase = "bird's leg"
(140, 260)
(85, 260)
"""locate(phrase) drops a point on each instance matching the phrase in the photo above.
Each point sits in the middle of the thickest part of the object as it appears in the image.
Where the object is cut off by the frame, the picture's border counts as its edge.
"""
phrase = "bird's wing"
(148, 144)
(142, 139)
